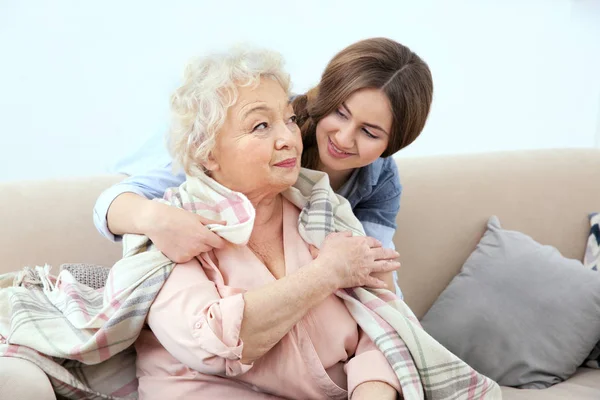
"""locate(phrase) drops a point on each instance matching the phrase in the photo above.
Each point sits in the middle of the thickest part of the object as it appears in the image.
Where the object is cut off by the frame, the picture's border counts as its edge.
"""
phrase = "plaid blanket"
(82, 337)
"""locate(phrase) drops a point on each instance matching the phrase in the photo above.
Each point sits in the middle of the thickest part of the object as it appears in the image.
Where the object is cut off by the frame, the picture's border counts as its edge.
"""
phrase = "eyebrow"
(255, 109)
(365, 123)
(261, 108)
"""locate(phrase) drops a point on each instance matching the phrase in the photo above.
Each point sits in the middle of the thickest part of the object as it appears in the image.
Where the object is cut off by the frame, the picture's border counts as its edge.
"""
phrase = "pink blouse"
(192, 349)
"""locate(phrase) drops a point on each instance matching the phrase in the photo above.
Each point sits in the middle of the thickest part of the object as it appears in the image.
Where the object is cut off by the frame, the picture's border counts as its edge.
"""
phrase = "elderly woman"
(258, 321)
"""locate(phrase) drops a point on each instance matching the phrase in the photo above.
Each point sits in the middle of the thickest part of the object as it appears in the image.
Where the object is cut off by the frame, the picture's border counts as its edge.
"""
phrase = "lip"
(332, 152)
(289, 163)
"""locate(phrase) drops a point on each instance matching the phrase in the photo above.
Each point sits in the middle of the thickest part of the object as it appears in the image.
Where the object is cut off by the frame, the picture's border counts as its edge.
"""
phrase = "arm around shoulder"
(137, 187)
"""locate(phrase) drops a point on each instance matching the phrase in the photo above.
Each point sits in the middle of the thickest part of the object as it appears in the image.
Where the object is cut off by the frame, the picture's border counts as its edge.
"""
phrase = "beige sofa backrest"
(447, 200)
(51, 222)
(445, 205)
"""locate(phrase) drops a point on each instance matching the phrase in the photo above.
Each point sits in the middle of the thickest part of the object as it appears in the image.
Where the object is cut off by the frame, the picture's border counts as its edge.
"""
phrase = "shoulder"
(374, 184)
(384, 179)
(388, 170)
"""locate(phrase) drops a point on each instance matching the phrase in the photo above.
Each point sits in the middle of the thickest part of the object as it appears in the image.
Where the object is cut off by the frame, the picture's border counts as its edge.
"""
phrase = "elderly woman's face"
(258, 149)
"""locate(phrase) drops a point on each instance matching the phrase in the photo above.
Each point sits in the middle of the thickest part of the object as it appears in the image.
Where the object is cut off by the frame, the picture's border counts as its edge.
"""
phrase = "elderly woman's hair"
(199, 106)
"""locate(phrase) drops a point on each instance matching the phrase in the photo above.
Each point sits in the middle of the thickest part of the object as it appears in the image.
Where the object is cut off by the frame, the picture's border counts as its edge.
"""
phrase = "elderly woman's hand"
(179, 234)
(351, 260)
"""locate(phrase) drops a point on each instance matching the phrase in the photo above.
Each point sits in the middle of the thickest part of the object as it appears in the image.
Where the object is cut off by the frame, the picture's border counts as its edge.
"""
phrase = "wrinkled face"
(258, 149)
(356, 133)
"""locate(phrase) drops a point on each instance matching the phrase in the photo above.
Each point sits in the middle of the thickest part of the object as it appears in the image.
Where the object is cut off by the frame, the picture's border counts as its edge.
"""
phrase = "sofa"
(446, 202)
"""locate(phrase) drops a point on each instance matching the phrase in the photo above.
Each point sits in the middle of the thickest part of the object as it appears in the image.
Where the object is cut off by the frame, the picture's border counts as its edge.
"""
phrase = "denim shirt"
(374, 194)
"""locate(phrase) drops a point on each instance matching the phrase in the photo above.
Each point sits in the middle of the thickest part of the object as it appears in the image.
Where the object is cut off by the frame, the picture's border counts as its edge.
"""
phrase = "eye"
(260, 127)
(369, 134)
(293, 119)
(340, 113)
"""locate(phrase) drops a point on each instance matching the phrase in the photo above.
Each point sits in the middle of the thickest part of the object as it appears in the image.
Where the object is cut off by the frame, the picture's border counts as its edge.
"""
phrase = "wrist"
(147, 217)
(325, 275)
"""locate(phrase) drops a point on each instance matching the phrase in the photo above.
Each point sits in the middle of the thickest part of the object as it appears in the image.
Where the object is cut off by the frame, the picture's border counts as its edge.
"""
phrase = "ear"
(211, 164)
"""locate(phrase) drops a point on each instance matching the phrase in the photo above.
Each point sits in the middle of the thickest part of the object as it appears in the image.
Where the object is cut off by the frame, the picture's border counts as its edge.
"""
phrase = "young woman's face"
(356, 133)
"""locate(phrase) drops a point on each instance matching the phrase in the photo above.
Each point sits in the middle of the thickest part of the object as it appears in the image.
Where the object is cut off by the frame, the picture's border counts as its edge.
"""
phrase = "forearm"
(127, 214)
(271, 311)
(375, 390)
(385, 235)
(388, 278)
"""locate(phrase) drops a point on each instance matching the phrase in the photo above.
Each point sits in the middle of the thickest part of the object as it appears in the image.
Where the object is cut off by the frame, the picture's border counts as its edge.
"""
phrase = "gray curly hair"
(199, 106)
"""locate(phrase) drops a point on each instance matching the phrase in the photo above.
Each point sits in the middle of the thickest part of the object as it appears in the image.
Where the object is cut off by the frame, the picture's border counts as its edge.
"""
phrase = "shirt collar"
(366, 179)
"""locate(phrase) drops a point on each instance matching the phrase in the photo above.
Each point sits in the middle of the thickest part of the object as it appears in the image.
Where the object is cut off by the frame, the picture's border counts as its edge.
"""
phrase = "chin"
(286, 177)
(294, 177)
(333, 164)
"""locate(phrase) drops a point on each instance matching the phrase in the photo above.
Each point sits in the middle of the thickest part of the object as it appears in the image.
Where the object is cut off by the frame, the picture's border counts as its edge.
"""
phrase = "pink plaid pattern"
(425, 369)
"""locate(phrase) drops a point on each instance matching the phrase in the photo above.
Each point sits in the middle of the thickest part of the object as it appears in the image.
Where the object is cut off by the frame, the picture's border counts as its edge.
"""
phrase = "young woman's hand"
(179, 234)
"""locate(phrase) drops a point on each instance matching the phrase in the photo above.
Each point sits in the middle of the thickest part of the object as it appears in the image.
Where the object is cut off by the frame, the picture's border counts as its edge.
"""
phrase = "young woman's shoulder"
(384, 178)
(389, 169)
(377, 200)
(376, 185)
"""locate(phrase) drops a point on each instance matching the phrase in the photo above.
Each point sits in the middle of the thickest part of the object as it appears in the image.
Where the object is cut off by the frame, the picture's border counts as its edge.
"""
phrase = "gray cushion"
(91, 275)
(591, 260)
(519, 312)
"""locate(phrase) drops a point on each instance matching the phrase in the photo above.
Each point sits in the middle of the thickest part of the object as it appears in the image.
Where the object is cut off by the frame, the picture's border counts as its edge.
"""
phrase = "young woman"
(373, 100)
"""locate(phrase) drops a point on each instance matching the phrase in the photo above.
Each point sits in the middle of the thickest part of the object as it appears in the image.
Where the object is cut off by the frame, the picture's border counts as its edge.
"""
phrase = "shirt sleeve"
(385, 235)
(378, 215)
(368, 365)
(151, 184)
(379, 210)
(196, 325)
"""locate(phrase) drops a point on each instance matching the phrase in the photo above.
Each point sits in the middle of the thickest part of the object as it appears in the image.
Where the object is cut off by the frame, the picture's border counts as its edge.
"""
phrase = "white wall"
(598, 126)
(587, 15)
(84, 83)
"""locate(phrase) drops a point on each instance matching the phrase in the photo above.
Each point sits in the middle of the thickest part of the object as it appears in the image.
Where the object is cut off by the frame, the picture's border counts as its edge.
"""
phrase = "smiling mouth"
(289, 163)
(337, 150)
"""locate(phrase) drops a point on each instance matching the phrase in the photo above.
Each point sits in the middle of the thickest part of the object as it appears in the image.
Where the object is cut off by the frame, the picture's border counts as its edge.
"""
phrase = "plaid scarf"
(82, 338)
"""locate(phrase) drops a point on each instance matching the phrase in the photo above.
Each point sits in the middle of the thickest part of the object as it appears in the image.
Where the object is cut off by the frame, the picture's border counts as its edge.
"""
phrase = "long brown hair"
(378, 63)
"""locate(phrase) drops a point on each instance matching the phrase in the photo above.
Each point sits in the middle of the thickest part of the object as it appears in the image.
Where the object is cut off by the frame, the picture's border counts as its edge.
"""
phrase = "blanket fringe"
(38, 276)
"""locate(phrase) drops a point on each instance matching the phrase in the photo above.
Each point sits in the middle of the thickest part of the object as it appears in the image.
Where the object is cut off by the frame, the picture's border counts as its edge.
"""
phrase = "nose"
(344, 138)
(285, 137)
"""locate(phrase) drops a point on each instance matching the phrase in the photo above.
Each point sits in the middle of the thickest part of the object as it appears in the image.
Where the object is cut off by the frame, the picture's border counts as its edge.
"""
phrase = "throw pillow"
(518, 312)
(91, 275)
(592, 261)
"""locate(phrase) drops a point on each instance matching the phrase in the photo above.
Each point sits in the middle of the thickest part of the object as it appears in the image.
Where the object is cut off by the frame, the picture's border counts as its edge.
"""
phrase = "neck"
(268, 209)
(336, 178)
